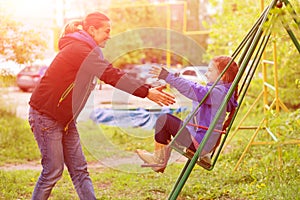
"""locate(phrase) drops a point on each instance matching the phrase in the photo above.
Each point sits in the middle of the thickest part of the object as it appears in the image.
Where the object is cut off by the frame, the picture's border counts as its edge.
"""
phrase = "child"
(168, 125)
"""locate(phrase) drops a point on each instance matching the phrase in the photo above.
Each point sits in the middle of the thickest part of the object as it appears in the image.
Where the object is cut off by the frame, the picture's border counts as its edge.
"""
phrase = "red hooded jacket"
(69, 80)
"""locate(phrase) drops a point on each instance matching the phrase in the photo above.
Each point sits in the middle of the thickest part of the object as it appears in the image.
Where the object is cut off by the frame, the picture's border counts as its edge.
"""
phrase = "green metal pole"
(292, 12)
(189, 168)
(296, 19)
(250, 34)
(243, 90)
(178, 188)
(292, 36)
(180, 176)
(242, 57)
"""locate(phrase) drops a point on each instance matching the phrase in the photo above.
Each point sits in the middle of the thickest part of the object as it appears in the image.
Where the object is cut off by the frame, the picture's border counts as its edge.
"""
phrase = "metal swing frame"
(254, 45)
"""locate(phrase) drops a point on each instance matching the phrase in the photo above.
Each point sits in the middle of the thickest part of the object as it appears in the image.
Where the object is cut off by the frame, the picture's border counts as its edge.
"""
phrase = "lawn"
(262, 174)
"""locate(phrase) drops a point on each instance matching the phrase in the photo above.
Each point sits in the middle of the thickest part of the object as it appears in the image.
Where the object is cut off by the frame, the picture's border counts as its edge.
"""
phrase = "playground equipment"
(252, 47)
(265, 94)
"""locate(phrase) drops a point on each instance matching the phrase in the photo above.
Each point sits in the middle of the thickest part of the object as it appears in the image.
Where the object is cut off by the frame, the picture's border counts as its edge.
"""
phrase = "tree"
(144, 25)
(20, 44)
(127, 21)
(233, 23)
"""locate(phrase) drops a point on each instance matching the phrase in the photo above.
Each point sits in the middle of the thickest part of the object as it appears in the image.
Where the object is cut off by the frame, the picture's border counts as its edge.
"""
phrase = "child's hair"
(95, 19)
(221, 62)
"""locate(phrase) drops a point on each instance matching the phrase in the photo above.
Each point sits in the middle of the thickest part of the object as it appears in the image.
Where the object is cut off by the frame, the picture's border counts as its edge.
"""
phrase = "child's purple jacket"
(208, 109)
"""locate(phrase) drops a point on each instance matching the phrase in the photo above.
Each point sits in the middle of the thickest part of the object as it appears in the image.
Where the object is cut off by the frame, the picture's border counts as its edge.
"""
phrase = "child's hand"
(155, 71)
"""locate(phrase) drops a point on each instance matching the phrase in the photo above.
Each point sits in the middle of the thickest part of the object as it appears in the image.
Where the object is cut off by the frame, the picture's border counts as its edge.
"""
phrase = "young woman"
(168, 125)
(62, 93)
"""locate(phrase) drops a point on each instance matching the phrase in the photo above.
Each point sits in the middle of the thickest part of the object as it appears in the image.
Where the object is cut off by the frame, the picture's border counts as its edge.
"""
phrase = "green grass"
(17, 144)
(261, 174)
(255, 180)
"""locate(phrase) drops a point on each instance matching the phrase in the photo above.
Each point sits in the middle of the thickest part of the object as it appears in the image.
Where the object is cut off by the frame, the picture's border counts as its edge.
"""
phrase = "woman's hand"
(155, 71)
(160, 97)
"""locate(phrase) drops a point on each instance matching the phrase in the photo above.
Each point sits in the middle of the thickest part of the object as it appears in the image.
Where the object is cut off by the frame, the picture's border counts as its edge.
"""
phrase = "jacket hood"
(232, 103)
(79, 36)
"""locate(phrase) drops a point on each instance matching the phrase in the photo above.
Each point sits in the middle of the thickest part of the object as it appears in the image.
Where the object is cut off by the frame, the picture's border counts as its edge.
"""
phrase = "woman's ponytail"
(72, 26)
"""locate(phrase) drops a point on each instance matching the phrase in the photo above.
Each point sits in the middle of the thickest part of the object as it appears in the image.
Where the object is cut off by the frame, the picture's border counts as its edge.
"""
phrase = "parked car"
(30, 76)
(194, 73)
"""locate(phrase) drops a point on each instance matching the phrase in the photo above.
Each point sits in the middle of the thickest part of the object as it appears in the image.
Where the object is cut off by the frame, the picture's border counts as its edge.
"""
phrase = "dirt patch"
(107, 163)
(24, 166)
(37, 166)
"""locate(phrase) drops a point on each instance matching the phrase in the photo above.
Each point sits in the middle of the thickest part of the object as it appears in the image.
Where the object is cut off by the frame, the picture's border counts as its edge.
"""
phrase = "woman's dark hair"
(95, 19)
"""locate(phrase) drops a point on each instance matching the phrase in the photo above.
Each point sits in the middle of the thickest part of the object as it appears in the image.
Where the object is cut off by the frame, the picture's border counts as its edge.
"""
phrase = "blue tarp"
(130, 118)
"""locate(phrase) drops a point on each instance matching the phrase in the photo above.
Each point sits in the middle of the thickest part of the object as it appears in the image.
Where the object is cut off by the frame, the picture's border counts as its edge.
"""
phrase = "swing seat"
(204, 161)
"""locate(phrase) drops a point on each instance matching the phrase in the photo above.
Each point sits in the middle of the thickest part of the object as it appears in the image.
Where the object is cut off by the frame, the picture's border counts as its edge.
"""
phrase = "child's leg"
(167, 126)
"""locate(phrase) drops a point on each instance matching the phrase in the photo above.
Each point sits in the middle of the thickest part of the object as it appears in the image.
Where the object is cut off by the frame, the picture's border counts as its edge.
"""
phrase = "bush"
(7, 78)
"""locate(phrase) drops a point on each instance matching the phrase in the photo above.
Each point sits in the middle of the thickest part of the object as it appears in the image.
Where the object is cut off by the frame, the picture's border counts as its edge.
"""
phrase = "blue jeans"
(58, 148)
